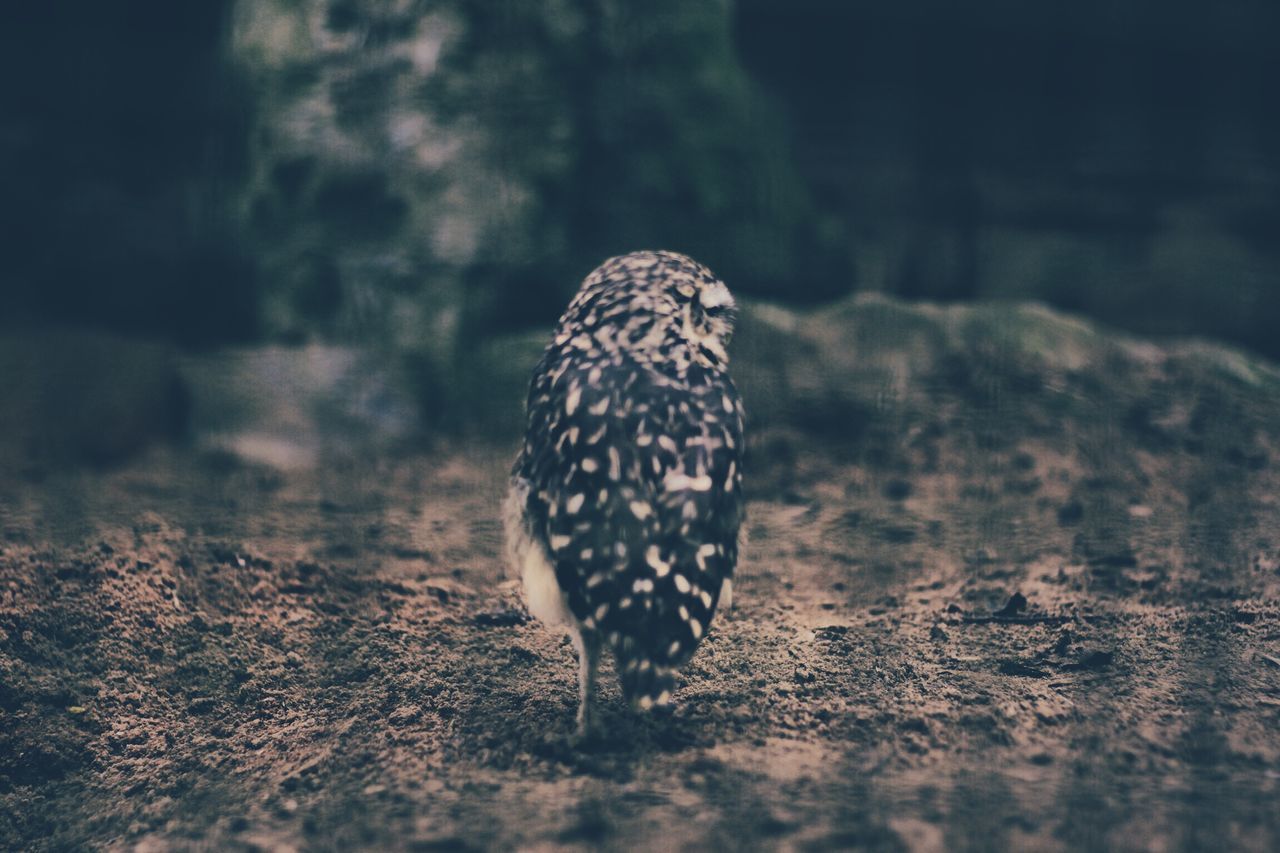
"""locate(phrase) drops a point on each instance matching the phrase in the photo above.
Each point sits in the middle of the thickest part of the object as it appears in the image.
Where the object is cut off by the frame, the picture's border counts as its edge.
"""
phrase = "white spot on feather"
(654, 558)
(680, 482)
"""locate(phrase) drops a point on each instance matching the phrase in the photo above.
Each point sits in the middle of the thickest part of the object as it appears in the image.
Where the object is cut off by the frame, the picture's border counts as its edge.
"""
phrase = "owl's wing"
(639, 502)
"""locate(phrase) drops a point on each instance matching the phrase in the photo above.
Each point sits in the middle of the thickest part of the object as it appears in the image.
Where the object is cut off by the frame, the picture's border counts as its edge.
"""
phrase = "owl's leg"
(587, 643)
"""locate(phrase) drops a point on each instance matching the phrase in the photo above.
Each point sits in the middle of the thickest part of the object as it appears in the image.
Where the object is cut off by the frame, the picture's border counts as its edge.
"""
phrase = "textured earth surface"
(987, 600)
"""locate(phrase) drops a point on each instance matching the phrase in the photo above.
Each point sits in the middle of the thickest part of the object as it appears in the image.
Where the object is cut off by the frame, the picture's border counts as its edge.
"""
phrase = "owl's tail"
(645, 684)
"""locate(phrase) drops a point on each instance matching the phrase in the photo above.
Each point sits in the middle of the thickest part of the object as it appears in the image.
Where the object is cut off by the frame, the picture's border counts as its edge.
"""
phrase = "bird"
(625, 501)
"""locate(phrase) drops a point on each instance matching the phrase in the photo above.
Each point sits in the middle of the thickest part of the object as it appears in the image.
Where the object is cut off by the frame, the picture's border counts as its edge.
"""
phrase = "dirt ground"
(980, 630)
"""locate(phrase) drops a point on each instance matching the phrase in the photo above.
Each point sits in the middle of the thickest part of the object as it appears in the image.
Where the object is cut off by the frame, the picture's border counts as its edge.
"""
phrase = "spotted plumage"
(626, 498)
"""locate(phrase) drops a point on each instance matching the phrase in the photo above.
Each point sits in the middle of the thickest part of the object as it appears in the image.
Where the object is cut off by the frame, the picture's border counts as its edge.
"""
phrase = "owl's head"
(706, 308)
(658, 301)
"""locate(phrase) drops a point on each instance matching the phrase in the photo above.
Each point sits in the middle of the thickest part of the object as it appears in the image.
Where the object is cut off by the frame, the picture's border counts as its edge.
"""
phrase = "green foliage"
(435, 172)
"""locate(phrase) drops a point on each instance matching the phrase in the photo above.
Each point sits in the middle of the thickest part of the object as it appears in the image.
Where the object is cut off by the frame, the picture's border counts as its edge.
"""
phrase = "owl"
(626, 498)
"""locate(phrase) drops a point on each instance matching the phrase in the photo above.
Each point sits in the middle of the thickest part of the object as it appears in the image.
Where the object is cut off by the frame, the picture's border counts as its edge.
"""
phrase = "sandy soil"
(975, 631)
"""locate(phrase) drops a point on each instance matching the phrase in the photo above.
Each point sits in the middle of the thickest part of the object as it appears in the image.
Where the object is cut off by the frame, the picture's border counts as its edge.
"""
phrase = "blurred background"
(420, 178)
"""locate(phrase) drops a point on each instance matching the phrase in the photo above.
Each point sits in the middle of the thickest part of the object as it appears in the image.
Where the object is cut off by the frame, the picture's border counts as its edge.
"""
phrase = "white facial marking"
(715, 295)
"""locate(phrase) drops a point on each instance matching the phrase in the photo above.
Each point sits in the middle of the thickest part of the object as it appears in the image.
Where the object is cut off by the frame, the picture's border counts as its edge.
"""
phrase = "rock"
(501, 618)
(1020, 669)
(1016, 604)
(1092, 659)
(870, 360)
(73, 397)
(293, 407)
